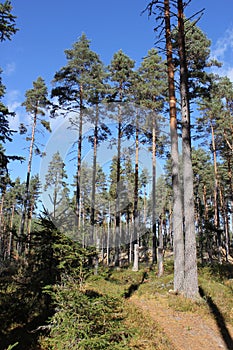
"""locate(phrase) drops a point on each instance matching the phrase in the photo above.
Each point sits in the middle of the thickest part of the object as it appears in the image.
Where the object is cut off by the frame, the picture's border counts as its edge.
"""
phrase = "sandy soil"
(187, 331)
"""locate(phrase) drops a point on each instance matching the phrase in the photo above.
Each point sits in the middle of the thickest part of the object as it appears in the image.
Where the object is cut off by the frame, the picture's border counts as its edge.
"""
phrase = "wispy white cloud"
(14, 105)
(9, 69)
(222, 51)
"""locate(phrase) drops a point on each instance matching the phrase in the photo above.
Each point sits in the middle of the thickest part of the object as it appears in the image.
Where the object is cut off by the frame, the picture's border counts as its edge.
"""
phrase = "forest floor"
(178, 323)
(186, 330)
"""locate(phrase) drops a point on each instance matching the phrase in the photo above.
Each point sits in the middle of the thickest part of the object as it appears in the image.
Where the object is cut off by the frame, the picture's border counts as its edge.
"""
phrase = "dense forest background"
(139, 168)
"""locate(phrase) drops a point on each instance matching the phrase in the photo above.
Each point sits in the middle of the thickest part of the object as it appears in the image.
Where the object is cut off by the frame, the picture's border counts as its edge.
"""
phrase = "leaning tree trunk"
(191, 280)
(178, 239)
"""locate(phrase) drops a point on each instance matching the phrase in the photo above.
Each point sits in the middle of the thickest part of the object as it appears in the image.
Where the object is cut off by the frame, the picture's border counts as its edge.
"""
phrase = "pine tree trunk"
(26, 195)
(216, 190)
(93, 190)
(135, 209)
(10, 243)
(225, 223)
(191, 280)
(216, 195)
(154, 238)
(178, 239)
(79, 162)
(118, 190)
(160, 249)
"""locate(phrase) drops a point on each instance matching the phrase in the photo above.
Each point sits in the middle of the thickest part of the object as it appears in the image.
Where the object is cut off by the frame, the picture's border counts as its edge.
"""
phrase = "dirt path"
(186, 331)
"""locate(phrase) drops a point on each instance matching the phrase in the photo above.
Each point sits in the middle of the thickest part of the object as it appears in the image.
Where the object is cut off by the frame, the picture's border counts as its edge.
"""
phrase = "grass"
(145, 333)
(216, 283)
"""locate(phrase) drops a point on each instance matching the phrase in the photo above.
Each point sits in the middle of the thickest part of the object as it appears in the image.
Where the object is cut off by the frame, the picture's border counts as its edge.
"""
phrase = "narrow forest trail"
(186, 330)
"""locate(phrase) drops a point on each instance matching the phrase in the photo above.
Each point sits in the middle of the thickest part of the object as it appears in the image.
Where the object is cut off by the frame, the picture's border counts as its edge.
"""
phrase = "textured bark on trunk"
(93, 190)
(178, 239)
(26, 195)
(117, 214)
(160, 248)
(216, 195)
(154, 240)
(216, 190)
(79, 162)
(191, 280)
(135, 209)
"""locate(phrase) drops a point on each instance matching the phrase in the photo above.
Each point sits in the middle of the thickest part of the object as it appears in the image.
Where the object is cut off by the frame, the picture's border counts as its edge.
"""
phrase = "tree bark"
(93, 190)
(135, 209)
(178, 239)
(79, 162)
(26, 195)
(154, 239)
(191, 280)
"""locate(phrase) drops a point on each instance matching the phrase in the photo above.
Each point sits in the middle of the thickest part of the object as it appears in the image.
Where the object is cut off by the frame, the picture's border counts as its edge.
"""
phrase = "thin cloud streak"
(222, 51)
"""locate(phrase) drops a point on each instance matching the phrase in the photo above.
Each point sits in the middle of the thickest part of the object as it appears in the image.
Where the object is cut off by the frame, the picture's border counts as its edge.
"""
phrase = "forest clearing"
(116, 192)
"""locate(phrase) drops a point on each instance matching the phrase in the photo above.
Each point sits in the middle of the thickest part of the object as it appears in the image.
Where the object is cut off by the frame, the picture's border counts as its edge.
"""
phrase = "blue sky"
(47, 28)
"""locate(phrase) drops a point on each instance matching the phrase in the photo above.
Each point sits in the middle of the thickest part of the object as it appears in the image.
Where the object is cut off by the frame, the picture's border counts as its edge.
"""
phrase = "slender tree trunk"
(216, 190)
(29, 224)
(108, 234)
(229, 166)
(178, 239)
(79, 162)
(26, 195)
(1, 210)
(135, 210)
(225, 224)
(93, 191)
(118, 189)
(191, 280)
(216, 195)
(2, 224)
(160, 248)
(154, 238)
(10, 243)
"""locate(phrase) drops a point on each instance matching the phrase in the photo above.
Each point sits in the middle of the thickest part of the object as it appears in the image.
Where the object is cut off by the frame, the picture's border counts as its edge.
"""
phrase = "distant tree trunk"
(2, 224)
(79, 162)
(135, 209)
(160, 248)
(191, 280)
(1, 209)
(178, 239)
(118, 189)
(216, 190)
(216, 195)
(10, 243)
(93, 190)
(225, 223)
(136, 259)
(154, 238)
(108, 235)
(26, 195)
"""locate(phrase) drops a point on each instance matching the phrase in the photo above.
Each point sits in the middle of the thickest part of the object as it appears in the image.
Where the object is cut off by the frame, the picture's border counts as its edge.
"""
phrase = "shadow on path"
(133, 287)
(219, 319)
